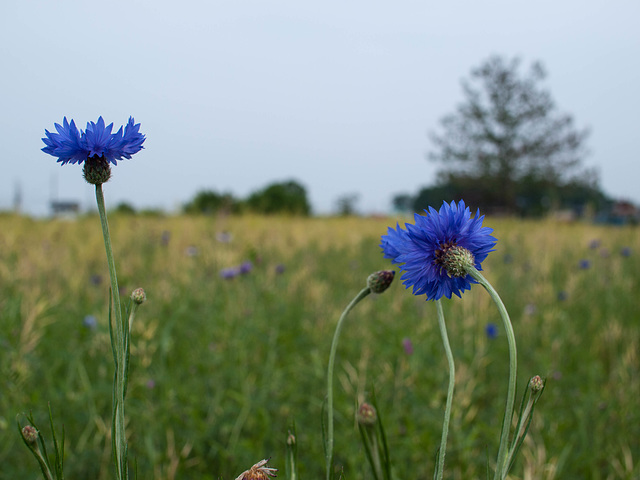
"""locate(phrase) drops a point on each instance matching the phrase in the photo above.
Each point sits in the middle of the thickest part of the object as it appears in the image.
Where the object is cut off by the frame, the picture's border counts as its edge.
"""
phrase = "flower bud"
(138, 296)
(536, 383)
(96, 170)
(378, 282)
(367, 414)
(30, 434)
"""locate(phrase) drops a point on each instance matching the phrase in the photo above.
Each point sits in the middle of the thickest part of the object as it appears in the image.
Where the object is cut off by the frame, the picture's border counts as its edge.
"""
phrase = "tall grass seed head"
(435, 251)
(378, 282)
(30, 434)
(259, 471)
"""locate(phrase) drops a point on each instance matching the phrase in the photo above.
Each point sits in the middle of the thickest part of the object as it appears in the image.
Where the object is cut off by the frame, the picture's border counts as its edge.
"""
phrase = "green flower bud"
(30, 434)
(367, 414)
(536, 383)
(378, 282)
(96, 170)
(138, 296)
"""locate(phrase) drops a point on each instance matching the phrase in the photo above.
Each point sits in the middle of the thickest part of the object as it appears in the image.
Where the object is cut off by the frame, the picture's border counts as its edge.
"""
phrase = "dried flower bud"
(96, 170)
(138, 296)
(30, 434)
(367, 414)
(291, 439)
(378, 282)
(258, 472)
(536, 383)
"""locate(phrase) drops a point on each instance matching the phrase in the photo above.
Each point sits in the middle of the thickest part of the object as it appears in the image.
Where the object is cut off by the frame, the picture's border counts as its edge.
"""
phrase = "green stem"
(118, 432)
(452, 380)
(501, 463)
(332, 357)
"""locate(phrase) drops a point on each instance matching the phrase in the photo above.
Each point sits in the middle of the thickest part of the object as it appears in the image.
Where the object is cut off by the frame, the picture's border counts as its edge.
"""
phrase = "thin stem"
(501, 463)
(452, 381)
(332, 357)
(120, 442)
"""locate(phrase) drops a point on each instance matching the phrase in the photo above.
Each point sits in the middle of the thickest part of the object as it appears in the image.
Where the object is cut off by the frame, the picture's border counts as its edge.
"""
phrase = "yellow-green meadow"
(223, 365)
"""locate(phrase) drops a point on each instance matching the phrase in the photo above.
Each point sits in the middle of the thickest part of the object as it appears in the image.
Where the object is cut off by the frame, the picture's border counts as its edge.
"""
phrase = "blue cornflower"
(429, 249)
(491, 329)
(71, 145)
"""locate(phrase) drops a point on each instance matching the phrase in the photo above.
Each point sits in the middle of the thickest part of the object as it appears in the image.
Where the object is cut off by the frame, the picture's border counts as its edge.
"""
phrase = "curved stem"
(332, 357)
(501, 463)
(118, 433)
(452, 381)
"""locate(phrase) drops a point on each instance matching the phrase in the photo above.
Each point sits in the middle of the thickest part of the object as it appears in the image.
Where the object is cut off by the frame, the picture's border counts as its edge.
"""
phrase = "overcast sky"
(337, 95)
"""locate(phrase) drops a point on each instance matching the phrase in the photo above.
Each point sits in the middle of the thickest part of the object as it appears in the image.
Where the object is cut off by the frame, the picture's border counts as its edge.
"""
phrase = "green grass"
(220, 369)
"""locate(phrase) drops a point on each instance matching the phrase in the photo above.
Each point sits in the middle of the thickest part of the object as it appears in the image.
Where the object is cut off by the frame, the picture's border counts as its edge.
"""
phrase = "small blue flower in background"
(625, 252)
(562, 295)
(491, 330)
(229, 273)
(246, 267)
(90, 322)
(280, 269)
(420, 247)
(71, 145)
(584, 264)
(593, 244)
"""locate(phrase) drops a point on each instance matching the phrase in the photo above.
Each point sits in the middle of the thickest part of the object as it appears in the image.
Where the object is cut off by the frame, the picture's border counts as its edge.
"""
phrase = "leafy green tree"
(287, 197)
(209, 202)
(507, 129)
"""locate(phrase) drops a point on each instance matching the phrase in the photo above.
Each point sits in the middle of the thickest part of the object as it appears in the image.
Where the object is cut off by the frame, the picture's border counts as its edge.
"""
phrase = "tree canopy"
(507, 133)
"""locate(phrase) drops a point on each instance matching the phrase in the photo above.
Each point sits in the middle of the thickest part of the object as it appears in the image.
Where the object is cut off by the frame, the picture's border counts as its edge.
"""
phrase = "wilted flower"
(71, 145)
(435, 251)
(258, 472)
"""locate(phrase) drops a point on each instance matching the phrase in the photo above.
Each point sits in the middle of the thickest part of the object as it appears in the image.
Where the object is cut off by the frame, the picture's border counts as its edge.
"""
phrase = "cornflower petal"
(73, 146)
(417, 246)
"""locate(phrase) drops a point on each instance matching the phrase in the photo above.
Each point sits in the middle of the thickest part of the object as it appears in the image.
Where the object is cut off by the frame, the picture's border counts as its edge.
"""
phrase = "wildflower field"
(230, 350)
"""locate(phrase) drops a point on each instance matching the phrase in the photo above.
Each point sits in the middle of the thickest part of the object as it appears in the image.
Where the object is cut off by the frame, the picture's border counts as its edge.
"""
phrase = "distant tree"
(507, 130)
(125, 209)
(402, 202)
(287, 197)
(209, 202)
(347, 204)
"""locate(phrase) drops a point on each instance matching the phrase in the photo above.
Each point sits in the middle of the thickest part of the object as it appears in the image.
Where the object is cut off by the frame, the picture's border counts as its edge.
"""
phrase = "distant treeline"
(533, 197)
(289, 198)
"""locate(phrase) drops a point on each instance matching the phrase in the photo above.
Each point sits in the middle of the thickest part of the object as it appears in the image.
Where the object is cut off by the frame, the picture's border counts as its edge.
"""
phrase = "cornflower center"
(453, 259)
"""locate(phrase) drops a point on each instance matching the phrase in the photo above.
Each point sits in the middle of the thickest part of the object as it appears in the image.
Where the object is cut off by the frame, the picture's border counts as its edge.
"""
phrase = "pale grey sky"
(338, 95)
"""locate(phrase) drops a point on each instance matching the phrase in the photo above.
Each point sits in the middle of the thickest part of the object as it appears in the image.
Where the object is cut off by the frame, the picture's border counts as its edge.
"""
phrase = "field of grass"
(220, 368)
